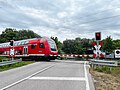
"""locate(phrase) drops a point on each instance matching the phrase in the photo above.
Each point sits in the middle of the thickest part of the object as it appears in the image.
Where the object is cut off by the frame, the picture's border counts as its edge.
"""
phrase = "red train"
(44, 48)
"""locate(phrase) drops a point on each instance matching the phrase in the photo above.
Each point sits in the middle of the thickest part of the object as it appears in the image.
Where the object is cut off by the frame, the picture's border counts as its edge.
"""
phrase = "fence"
(10, 62)
(103, 62)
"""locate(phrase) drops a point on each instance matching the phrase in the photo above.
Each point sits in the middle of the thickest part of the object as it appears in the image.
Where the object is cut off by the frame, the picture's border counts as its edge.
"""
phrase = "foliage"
(108, 45)
(13, 34)
(115, 71)
(104, 69)
(80, 46)
(77, 46)
(116, 43)
(3, 58)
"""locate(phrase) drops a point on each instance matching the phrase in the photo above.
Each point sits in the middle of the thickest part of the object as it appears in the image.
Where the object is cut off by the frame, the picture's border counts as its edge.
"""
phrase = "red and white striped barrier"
(73, 55)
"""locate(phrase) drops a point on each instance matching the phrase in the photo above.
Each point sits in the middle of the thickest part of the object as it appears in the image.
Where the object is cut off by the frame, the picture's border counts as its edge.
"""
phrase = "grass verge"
(106, 79)
(7, 67)
(3, 59)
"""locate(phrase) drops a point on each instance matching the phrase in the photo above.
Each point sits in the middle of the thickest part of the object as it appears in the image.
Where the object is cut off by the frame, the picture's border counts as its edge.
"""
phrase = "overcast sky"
(66, 19)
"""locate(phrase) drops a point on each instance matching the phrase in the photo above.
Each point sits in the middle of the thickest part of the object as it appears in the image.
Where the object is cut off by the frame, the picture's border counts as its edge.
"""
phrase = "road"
(54, 75)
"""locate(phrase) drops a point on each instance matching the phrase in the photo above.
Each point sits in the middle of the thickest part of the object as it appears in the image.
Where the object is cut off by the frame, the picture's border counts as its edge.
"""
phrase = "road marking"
(86, 77)
(26, 78)
(59, 78)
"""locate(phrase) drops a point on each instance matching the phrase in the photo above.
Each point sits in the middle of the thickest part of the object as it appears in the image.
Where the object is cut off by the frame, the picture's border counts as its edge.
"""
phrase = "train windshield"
(52, 45)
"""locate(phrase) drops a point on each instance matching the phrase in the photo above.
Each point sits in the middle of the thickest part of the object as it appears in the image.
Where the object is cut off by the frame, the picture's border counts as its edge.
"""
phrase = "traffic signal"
(98, 35)
(11, 42)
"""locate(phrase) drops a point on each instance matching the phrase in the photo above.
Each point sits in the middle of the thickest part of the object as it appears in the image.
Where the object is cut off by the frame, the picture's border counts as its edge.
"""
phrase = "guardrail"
(103, 62)
(10, 62)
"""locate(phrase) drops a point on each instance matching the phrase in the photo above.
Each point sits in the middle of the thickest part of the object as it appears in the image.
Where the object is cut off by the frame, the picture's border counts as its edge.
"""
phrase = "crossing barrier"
(73, 55)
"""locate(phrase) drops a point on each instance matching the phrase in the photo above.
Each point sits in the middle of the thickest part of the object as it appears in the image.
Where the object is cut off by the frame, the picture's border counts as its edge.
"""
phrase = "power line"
(102, 11)
(97, 13)
(101, 19)
(95, 20)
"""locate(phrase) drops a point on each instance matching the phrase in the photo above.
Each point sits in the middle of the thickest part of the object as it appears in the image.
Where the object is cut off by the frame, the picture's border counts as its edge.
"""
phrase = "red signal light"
(98, 35)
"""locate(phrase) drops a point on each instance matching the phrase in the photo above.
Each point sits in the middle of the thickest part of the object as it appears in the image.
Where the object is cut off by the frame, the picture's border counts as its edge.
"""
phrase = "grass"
(119, 62)
(3, 59)
(106, 80)
(7, 67)
(115, 71)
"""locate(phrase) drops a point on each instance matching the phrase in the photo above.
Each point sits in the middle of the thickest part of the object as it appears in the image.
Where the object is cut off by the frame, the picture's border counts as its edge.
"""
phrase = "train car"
(43, 47)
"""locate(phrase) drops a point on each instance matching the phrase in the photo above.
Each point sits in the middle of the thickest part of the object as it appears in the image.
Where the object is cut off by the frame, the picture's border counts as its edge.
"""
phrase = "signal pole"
(97, 56)
(12, 49)
(98, 39)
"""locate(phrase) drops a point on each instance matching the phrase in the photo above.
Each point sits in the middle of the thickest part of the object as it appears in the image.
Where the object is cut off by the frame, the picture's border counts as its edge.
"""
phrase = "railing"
(103, 62)
(10, 62)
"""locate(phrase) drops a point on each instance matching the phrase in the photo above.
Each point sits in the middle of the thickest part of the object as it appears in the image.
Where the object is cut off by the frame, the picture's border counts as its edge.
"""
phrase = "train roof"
(25, 41)
(21, 42)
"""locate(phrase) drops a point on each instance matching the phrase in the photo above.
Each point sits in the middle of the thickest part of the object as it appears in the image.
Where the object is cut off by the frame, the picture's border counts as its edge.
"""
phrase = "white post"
(97, 50)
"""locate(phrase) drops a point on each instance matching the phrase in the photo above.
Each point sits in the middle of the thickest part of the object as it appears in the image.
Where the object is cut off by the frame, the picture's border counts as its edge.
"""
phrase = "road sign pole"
(97, 50)
(12, 53)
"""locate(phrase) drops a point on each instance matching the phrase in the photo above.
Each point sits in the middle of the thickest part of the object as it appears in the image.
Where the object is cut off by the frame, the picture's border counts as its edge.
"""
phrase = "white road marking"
(86, 77)
(59, 78)
(26, 78)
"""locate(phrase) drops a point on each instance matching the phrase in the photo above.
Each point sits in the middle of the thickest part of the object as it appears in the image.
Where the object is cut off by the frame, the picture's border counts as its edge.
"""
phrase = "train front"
(53, 51)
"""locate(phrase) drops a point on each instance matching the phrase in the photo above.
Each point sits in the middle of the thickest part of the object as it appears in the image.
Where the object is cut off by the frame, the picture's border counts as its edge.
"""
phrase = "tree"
(116, 44)
(26, 34)
(72, 47)
(8, 34)
(108, 46)
(13, 34)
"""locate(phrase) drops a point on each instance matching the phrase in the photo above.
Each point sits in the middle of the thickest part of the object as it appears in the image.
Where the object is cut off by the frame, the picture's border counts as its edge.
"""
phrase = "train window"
(15, 44)
(22, 43)
(41, 45)
(26, 42)
(33, 46)
(18, 43)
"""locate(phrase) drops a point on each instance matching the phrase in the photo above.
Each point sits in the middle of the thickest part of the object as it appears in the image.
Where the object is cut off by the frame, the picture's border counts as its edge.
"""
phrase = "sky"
(65, 19)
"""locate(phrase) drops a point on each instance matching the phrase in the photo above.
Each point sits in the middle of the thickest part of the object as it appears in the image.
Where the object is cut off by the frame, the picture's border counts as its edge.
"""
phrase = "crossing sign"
(11, 52)
(117, 53)
(97, 51)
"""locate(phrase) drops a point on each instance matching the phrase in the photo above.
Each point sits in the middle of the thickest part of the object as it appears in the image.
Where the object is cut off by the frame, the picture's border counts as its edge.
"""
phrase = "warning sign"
(11, 52)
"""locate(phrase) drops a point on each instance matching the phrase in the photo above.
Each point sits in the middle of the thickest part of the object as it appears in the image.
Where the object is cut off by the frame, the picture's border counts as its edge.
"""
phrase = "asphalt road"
(54, 75)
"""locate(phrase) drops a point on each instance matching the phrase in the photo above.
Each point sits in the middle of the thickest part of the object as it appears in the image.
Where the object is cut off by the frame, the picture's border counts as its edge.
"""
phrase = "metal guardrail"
(10, 62)
(103, 62)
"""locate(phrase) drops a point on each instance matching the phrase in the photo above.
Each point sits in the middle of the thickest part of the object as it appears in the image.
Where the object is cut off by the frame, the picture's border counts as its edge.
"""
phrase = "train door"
(25, 51)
